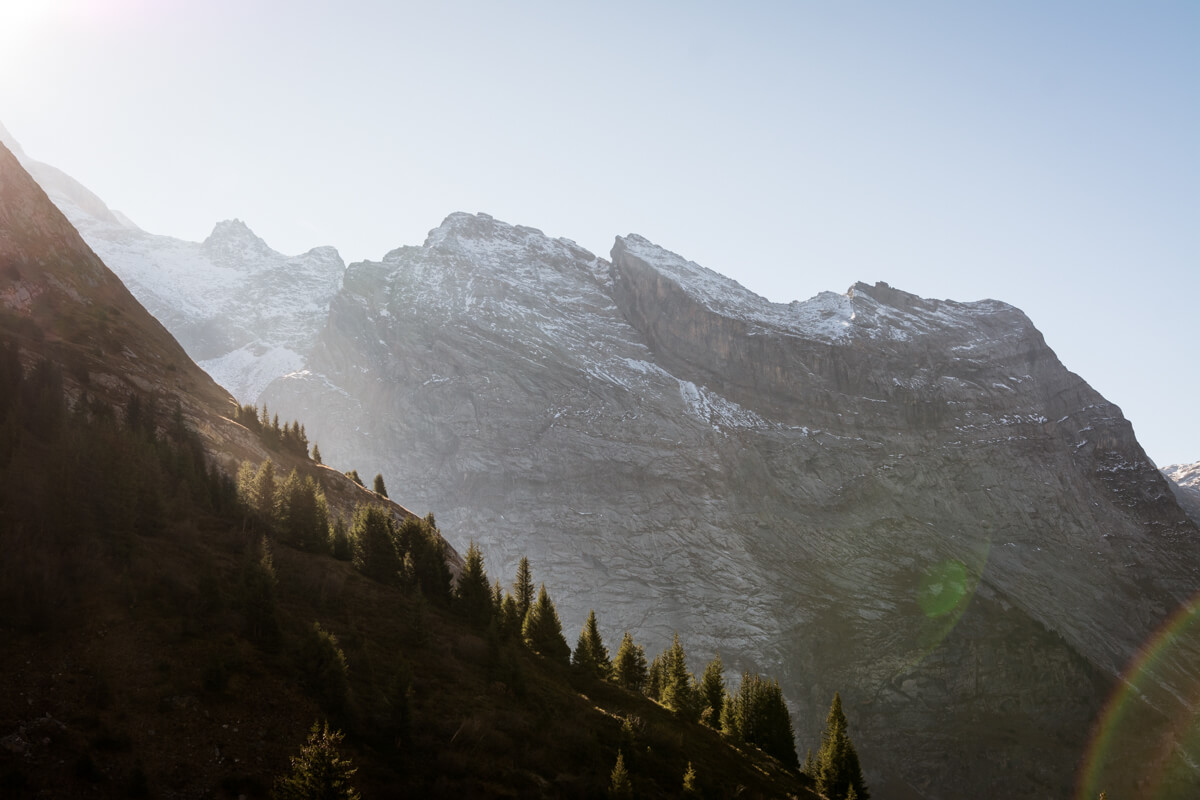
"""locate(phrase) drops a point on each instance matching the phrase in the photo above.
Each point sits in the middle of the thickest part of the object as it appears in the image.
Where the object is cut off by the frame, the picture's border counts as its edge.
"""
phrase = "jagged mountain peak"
(491, 241)
(864, 311)
(232, 239)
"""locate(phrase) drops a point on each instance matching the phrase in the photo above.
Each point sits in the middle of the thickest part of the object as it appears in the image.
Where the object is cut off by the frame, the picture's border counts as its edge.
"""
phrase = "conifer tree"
(258, 594)
(374, 540)
(629, 668)
(523, 588)
(258, 490)
(591, 656)
(620, 787)
(837, 767)
(497, 601)
(316, 454)
(712, 693)
(340, 541)
(510, 618)
(304, 514)
(474, 595)
(757, 715)
(419, 538)
(542, 631)
(380, 489)
(655, 677)
(319, 772)
(678, 693)
(323, 667)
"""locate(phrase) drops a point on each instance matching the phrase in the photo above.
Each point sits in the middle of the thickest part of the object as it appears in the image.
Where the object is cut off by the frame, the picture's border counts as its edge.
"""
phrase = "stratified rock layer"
(911, 501)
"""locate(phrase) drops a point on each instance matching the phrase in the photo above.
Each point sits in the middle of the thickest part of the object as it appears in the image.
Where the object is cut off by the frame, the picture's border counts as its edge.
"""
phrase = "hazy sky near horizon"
(1044, 154)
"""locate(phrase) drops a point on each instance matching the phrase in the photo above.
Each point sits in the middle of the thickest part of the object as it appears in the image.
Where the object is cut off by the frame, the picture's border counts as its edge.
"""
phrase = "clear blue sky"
(1045, 154)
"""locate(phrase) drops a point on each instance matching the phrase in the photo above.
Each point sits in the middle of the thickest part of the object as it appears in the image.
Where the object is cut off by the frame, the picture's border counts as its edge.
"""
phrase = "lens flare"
(1145, 743)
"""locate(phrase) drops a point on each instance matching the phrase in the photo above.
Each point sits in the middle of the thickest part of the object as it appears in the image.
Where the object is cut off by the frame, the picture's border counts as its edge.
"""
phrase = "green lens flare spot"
(944, 588)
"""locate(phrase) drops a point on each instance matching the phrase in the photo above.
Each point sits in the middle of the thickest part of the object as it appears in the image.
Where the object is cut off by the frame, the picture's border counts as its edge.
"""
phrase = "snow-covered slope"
(244, 312)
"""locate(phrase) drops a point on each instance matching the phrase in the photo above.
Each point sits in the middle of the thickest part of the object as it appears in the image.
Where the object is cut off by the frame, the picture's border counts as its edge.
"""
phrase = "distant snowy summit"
(1185, 483)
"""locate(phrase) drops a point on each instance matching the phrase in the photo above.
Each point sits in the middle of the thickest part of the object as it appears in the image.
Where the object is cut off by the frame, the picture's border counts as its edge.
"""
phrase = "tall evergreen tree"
(419, 538)
(523, 588)
(339, 541)
(474, 594)
(258, 594)
(510, 618)
(497, 601)
(837, 767)
(591, 656)
(678, 693)
(712, 693)
(258, 489)
(757, 715)
(319, 772)
(316, 454)
(543, 630)
(373, 536)
(380, 489)
(629, 667)
(304, 514)
(655, 677)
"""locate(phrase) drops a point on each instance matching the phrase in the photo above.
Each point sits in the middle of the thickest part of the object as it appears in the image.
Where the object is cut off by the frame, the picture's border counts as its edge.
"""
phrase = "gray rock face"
(907, 500)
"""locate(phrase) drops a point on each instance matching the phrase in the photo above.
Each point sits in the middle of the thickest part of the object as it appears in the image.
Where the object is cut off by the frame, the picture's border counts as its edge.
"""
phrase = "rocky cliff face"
(907, 500)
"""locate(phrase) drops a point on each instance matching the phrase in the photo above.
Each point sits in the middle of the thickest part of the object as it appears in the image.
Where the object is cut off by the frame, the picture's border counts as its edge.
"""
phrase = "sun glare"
(46, 26)
(24, 23)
